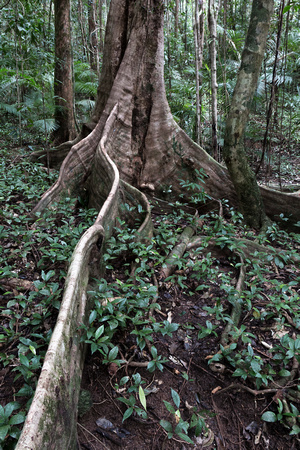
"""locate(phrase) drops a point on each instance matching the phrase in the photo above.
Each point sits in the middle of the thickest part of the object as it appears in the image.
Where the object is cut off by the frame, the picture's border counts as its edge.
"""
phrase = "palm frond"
(10, 109)
(43, 125)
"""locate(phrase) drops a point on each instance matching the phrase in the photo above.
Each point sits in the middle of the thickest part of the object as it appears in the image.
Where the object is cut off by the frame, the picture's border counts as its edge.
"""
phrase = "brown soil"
(232, 416)
(227, 415)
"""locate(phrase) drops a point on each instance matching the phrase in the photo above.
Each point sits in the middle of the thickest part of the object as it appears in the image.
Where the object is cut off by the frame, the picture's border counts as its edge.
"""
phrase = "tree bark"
(199, 43)
(213, 10)
(149, 148)
(243, 178)
(82, 29)
(63, 74)
(93, 38)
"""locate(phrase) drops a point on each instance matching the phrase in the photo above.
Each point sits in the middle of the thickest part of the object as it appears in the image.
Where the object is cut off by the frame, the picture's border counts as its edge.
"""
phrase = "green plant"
(130, 401)
(178, 426)
(208, 330)
(284, 415)
(8, 422)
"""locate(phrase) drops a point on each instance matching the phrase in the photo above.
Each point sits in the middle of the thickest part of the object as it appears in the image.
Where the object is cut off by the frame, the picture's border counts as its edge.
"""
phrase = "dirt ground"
(232, 414)
(232, 418)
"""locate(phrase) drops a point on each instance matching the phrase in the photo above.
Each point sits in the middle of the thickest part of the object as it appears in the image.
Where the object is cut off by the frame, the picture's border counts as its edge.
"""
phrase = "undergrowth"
(34, 261)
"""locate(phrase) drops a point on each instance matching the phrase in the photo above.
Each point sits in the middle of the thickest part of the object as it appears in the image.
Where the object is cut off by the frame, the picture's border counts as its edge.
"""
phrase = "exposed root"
(18, 283)
(174, 256)
(236, 307)
(244, 246)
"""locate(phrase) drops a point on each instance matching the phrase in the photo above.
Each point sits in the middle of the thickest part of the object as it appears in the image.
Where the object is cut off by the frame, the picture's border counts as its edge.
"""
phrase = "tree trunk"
(150, 150)
(63, 73)
(274, 87)
(243, 178)
(82, 29)
(176, 18)
(213, 10)
(199, 43)
(93, 43)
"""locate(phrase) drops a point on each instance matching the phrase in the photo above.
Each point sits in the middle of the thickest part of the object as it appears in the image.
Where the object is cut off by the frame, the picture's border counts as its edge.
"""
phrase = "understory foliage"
(34, 261)
(127, 303)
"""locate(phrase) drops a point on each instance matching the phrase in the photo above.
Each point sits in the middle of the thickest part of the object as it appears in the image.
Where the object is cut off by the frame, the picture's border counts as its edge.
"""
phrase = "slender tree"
(213, 10)
(199, 43)
(243, 178)
(93, 37)
(82, 28)
(274, 89)
(63, 74)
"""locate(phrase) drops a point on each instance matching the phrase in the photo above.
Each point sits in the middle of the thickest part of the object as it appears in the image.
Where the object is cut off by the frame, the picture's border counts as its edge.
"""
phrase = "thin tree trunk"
(63, 74)
(199, 42)
(101, 27)
(273, 89)
(93, 38)
(213, 10)
(243, 178)
(82, 29)
(196, 38)
(176, 17)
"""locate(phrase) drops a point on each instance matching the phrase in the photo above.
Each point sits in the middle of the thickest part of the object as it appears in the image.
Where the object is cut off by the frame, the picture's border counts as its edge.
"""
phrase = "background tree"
(63, 74)
(213, 11)
(93, 37)
(242, 176)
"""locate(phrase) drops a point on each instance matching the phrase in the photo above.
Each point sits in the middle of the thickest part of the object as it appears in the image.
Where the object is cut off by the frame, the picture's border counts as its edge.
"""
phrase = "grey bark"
(213, 10)
(243, 178)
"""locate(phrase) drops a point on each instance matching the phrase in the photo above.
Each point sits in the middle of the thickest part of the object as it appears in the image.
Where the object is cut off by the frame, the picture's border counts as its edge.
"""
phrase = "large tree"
(133, 126)
(149, 148)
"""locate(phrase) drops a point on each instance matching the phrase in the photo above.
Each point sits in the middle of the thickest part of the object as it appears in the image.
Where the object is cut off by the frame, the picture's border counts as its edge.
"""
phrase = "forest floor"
(201, 384)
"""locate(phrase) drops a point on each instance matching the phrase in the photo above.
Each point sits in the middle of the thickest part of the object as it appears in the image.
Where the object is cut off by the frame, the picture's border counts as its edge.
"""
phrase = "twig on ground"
(94, 437)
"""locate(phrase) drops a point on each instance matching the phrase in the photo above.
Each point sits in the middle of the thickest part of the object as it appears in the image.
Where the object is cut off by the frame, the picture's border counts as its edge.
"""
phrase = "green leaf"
(142, 397)
(24, 360)
(255, 365)
(94, 347)
(151, 366)
(32, 349)
(284, 373)
(169, 407)
(127, 413)
(93, 316)
(26, 390)
(166, 425)
(17, 419)
(269, 416)
(124, 380)
(185, 438)
(8, 409)
(113, 353)
(99, 332)
(3, 432)
(175, 397)
(154, 352)
(295, 430)
(239, 373)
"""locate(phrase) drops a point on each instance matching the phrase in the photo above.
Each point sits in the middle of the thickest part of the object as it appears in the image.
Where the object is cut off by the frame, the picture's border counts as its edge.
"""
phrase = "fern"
(49, 125)
(9, 109)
